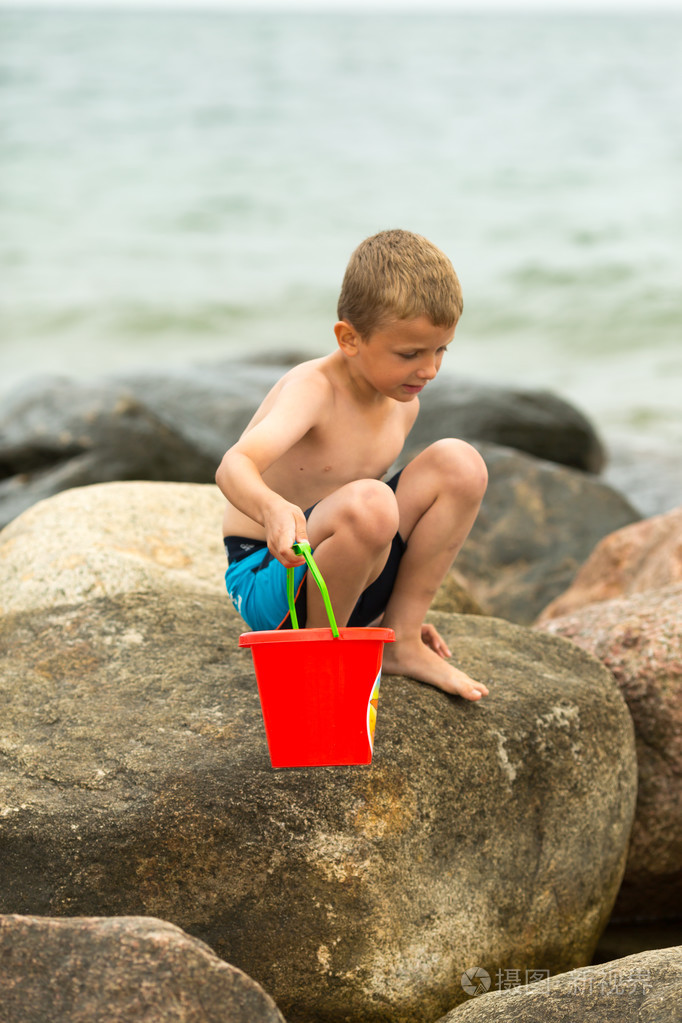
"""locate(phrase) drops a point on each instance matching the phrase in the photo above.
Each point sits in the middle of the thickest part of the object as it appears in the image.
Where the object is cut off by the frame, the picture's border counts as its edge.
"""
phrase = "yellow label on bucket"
(372, 707)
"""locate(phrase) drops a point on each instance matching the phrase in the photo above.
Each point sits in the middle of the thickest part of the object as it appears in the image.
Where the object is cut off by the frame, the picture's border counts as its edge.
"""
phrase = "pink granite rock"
(643, 556)
(639, 638)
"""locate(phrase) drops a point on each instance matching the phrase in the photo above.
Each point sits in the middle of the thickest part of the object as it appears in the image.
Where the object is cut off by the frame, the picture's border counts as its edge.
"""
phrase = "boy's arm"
(296, 410)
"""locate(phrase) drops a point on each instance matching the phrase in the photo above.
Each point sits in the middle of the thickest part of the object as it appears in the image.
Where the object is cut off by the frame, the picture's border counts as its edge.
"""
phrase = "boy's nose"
(428, 371)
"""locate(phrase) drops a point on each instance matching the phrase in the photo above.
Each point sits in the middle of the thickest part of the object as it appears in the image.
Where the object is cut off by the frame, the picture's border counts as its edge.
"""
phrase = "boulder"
(127, 969)
(538, 523)
(57, 432)
(643, 556)
(643, 988)
(537, 422)
(113, 538)
(135, 780)
(639, 639)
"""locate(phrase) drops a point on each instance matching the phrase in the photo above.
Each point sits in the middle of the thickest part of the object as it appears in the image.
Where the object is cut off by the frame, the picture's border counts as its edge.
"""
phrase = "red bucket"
(318, 693)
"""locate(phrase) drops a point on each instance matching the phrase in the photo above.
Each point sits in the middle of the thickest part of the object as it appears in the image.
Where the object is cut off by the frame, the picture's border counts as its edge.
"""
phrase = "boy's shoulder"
(313, 369)
(312, 377)
(304, 387)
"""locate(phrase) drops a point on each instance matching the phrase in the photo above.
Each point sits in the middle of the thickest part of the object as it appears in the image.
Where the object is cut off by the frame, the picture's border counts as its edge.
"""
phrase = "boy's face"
(401, 357)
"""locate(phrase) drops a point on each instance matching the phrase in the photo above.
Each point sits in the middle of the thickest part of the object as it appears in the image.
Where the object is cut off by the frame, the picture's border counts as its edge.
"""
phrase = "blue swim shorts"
(257, 583)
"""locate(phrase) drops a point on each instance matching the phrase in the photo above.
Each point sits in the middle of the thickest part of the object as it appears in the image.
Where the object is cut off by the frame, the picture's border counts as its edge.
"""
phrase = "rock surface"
(135, 780)
(120, 970)
(113, 538)
(643, 988)
(639, 638)
(56, 432)
(643, 556)
(538, 523)
(537, 422)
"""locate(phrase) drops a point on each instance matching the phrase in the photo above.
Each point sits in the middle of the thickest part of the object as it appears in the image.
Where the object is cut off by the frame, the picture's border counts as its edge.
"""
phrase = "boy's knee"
(461, 467)
(371, 511)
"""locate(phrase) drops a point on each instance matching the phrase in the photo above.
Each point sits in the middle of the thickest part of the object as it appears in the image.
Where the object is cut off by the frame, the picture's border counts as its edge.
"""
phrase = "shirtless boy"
(322, 440)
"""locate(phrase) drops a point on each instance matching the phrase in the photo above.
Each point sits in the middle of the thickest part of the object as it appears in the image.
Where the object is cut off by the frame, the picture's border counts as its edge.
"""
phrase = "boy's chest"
(350, 448)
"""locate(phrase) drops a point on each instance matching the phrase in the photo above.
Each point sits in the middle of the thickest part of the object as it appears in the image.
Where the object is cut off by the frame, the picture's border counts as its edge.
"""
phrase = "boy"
(322, 440)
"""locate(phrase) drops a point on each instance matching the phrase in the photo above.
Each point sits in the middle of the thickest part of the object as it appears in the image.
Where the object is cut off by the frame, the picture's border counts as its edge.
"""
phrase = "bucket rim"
(376, 634)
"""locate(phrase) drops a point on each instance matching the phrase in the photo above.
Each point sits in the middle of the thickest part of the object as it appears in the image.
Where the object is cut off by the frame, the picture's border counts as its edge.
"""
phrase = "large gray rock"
(135, 780)
(56, 432)
(643, 988)
(538, 523)
(639, 639)
(120, 970)
(537, 422)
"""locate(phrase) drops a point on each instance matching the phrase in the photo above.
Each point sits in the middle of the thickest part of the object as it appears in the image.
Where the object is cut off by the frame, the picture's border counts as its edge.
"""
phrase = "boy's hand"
(435, 641)
(285, 525)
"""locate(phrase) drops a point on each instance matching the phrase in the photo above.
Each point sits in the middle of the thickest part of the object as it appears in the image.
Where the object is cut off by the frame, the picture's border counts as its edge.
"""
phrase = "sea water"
(181, 186)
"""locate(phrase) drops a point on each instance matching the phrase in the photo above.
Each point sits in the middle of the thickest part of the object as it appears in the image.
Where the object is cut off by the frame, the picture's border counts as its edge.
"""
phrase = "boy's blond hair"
(398, 275)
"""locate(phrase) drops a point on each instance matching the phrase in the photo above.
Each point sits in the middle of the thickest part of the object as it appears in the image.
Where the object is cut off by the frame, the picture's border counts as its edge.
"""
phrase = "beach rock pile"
(135, 779)
(57, 432)
(136, 793)
(639, 638)
(643, 988)
(131, 969)
(625, 607)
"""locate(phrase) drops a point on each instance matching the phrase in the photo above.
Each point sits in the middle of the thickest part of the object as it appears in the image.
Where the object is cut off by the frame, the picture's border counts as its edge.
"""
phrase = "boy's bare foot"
(419, 661)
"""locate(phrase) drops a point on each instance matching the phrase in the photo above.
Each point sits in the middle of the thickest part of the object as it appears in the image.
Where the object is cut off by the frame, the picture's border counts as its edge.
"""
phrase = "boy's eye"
(414, 355)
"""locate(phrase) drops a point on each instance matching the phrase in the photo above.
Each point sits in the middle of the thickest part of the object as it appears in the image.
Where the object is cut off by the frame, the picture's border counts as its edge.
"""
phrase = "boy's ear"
(347, 337)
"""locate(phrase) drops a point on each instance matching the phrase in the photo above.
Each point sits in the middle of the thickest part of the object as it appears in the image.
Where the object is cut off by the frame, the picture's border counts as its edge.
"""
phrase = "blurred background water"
(180, 186)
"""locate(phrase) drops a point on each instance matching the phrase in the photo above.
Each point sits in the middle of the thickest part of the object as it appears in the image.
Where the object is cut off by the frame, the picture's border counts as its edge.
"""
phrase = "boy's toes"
(470, 689)
(420, 662)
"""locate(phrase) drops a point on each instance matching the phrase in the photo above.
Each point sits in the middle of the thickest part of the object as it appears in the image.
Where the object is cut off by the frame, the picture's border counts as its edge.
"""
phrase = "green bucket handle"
(304, 548)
